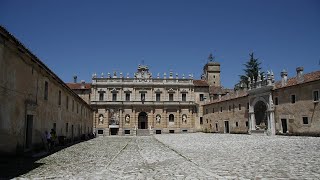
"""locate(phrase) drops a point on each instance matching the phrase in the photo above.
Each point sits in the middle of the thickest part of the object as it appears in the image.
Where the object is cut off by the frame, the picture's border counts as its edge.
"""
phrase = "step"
(143, 132)
(258, 132)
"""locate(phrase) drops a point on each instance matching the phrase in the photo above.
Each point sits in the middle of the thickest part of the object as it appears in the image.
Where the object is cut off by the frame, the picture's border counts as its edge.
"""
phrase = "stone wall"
(25, 112)
(217, 113)
(293, 113)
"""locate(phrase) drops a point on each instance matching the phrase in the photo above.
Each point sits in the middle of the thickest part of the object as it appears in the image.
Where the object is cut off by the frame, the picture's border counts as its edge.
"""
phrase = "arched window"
(171, 118)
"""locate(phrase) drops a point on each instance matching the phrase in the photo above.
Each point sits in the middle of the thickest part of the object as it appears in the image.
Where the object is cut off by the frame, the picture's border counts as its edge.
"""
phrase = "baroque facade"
(34, 100)
(144, 105)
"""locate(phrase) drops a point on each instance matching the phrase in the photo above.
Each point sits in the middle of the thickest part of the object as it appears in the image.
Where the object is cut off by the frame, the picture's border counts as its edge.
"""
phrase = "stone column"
(164, 118)
(271, 127)
(134, 122)
(151, 121)
(179, 118)
(151, 118)
(106, 122)
(252, 122)
(120, 121)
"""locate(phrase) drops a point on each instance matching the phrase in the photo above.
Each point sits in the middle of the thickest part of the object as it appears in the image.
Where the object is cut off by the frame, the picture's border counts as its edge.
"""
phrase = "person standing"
(53, 138)
(48, 137)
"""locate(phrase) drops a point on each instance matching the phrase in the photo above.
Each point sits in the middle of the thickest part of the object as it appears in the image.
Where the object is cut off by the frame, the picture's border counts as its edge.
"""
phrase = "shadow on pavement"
(14, 166)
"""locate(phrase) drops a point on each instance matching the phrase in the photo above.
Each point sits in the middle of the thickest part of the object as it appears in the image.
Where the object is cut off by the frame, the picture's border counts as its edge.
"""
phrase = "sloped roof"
(230, 96)
(78, 85)
(200, 83)
(10, 37)
(309, 77)
(219, 90)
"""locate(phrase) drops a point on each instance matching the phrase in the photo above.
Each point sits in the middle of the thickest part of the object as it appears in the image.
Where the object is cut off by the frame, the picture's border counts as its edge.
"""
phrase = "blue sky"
(83, 37)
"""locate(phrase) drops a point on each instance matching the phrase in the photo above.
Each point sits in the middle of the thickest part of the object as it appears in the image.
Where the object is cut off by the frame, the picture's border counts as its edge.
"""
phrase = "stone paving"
(185, 156)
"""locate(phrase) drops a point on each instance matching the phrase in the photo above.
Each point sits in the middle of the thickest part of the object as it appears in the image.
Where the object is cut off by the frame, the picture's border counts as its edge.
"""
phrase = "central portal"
(260, 112)
(143, 120)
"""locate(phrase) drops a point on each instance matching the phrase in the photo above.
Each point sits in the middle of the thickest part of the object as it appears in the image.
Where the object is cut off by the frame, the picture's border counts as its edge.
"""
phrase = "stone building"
(34, 100)
(143, 105)
(289, 106)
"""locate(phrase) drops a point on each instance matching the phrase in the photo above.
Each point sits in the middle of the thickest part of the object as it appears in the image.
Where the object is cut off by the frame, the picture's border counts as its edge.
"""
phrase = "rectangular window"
(247, 124)
(229, 108)
(184, 97)
(276, 101)
(305, 120)
(293, 98)
(158, 97)
(55, 127)
(114, 97)
(170, 97)
(67, 126)
(59, 98)
(239, 107)
(247, 105)
(77, 108)
(46, 90)
(207, 121)
(237, 124)
(101, 96)
(143, 96)
(72, 105)
(206, 111)
(212, 110)
(201, 120)
(220, 109)
(201, 97)
(127, 96)
(67, 102)
(315, 96)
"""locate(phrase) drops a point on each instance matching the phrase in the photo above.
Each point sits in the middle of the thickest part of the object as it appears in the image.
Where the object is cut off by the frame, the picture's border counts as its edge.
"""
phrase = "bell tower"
(211, 72)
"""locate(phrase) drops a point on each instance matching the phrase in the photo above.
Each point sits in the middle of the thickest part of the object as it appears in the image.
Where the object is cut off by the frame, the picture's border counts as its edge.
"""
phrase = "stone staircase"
(143, 132)
(258, 132)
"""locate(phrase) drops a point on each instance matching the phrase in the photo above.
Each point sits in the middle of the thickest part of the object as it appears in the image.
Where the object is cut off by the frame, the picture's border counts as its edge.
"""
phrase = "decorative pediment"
(101, 91)
(171, 90)
(143, 73)
(127, 91)
(184, 91)
(158, 91)
(114, 90)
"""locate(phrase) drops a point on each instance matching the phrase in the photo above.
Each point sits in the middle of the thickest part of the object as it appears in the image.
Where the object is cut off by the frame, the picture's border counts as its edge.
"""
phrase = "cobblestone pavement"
(250, 156)
(185, 156)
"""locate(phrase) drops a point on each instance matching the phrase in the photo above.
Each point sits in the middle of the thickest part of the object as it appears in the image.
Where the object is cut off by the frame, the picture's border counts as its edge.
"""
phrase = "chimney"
(83, 84)
(299, 74)
(284, 77)
(75, 79)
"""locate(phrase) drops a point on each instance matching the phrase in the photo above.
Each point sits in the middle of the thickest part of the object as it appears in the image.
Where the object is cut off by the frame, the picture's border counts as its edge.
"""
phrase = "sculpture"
(184, 118)
(101, 119)
(127, 119)
(158, 118)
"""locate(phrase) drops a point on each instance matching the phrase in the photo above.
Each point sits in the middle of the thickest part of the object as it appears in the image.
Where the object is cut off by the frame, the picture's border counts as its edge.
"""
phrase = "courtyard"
(185, 156)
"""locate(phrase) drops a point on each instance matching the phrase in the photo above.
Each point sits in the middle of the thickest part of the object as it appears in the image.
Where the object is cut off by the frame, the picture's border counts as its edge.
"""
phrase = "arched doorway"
(143, 120)
(260, 113)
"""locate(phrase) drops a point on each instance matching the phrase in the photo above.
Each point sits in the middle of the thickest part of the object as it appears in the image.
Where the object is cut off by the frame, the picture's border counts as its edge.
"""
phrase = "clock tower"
(211, 72)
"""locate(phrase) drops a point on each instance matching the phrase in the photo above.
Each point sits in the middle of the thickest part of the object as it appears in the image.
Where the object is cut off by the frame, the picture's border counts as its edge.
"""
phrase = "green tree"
(252, 69)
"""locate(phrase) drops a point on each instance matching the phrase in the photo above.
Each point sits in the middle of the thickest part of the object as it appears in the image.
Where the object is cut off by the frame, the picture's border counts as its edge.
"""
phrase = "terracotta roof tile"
(201, 83)
(313, 76)
(219, 90)
(231, 95)
(78, 86)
